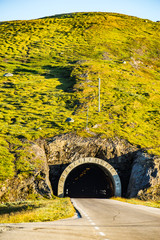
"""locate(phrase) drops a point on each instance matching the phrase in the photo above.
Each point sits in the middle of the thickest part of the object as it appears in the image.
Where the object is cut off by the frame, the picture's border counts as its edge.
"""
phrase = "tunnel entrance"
(89, 177)
(88, 181)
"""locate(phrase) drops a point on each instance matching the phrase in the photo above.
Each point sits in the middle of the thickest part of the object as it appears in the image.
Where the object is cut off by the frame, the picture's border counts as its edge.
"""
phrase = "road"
(101, 219)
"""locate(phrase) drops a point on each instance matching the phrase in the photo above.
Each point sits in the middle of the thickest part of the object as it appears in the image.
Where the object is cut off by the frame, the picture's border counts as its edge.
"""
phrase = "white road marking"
(97, 228)
(101, 233)
(92, 223)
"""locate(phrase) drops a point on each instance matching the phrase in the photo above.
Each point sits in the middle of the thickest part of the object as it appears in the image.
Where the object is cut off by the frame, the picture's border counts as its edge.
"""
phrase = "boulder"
(8, 75)
(69, 120)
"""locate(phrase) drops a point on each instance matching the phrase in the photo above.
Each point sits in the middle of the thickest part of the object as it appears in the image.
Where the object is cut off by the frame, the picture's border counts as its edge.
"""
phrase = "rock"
(83, 75)
(106, 56)
(97, 125)
(69, 120)
(33, 185)
(8, 75)
(144, 174)
(40, 155)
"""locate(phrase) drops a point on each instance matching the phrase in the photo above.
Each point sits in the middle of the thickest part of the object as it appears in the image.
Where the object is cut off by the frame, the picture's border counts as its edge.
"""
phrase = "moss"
(7, 170)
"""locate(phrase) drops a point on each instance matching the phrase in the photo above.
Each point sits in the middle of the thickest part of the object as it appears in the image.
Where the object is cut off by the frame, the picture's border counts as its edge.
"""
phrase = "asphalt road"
(101, 219)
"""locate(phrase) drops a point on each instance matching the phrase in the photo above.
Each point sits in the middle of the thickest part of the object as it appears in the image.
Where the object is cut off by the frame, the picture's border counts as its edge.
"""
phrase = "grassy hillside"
(56, 62)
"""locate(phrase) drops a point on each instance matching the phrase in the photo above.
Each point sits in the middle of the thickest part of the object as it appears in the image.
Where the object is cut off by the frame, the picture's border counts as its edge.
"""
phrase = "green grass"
(155, 204)
(56, 62)
(36, 211)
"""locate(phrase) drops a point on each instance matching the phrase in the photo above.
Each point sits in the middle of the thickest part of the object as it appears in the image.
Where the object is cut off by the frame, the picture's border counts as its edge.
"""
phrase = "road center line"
(97, 228)
(92, 223)
(101, 233)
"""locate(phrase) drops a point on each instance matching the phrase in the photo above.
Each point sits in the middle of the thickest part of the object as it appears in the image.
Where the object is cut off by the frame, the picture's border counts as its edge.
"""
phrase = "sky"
(32, 9)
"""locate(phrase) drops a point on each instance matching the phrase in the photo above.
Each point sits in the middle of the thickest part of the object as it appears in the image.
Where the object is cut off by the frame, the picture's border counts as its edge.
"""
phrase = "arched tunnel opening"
(89, 181)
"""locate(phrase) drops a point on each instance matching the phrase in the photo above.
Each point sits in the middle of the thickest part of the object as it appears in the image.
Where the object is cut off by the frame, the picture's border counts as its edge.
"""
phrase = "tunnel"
(88, 181)
(89, 178)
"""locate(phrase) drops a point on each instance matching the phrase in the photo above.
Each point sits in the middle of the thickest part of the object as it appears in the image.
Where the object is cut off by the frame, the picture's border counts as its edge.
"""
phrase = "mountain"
(54, 64)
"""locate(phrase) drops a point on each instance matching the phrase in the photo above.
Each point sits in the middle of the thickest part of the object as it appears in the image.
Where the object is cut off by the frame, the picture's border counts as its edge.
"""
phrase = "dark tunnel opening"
(89, 181)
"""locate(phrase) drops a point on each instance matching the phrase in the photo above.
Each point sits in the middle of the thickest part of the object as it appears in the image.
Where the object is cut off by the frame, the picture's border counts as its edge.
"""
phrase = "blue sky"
(31, 9)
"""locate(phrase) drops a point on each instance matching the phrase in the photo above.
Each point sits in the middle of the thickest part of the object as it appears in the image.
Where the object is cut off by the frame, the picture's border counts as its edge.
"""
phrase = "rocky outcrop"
(40, 156)
(29, 184)
(137, 170)
(21, 188)
(65, 149)
(8, 75)
(145, 173)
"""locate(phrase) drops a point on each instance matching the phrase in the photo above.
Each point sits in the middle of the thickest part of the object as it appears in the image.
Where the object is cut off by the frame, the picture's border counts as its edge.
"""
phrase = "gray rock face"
(67, 148)
(145, 173)
(40, 154)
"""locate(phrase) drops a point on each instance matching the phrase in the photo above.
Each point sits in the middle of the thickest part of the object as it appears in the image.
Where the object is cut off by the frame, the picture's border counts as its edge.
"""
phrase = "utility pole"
(87, 117)
(99, 97)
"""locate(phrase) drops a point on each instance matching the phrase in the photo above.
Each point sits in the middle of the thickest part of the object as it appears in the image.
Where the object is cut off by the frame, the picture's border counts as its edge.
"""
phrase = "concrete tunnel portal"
(90, 178)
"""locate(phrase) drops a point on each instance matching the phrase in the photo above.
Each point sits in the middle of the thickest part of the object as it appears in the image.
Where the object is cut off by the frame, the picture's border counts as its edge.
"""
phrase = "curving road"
(101, 219)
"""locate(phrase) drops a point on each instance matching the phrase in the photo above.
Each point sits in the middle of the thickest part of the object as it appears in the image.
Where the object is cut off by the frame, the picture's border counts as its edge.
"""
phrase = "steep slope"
(56, 62)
